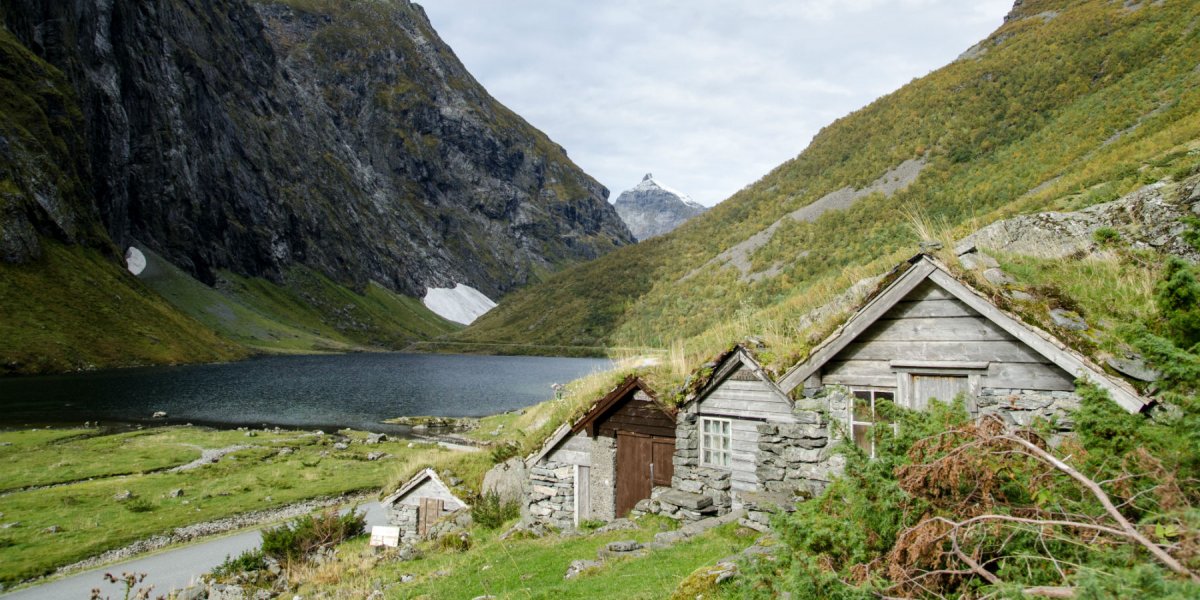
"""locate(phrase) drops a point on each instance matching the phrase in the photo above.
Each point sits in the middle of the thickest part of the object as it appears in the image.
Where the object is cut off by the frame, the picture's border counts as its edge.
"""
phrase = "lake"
(327, 391)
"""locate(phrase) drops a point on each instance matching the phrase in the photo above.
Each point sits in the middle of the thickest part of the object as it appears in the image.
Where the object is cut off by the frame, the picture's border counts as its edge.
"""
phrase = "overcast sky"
(708, 95)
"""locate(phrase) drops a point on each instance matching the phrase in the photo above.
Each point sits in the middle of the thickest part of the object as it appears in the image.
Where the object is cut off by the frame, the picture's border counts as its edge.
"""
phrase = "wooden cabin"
(924, 335)
(600, 466)
(419, 504)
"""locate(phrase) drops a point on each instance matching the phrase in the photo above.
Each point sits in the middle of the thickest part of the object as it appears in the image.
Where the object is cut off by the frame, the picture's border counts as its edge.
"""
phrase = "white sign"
(385, 536)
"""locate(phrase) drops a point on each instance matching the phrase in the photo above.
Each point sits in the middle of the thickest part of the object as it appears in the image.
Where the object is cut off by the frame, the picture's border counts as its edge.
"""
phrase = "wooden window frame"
(973, 371)
(705, 439)
(875, 393)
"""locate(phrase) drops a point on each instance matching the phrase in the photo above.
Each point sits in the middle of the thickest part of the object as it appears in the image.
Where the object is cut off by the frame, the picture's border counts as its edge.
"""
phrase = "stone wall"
(690, 477)
(602, 479)
(551, 494)
(404, 516)
(1024, 407)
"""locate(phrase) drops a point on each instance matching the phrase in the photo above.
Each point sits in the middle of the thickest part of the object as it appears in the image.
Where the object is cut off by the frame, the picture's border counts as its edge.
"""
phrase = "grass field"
(528, 568)
(91, 520)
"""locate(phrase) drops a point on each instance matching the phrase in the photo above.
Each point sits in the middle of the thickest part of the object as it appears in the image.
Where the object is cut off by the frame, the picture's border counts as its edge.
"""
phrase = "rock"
(375, 595)
(453, 481)
(123, 496)
(285, 451)
(506, 480)
(194, 592)
(997, 277)
(341, 446)
(1134, 367)
(1068, 320)
(373, 456)
(929, 246)
(10, 525)
(684, 499)
(251, 434)
(51, 529)
(175, 493)
(617, 525)
(1020, 296)
(580, 566)
(375, 438)
(406, 578)
(624, 546)
(977, 260)
(159, 414)
(226, 592)
(651, 209)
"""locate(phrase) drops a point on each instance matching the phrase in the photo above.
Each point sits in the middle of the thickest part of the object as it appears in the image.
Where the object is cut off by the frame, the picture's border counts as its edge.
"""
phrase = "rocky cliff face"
(651, 208)
(345, 137)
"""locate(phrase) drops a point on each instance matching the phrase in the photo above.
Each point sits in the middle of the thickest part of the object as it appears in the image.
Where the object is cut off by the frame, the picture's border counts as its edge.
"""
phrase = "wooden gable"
(740, 388)
(928, 321)
(633, 407)
(425, 485)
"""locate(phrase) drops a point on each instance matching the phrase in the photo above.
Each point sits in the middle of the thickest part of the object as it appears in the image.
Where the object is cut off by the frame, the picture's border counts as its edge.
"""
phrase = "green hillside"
(306, 313)
(1067, 104)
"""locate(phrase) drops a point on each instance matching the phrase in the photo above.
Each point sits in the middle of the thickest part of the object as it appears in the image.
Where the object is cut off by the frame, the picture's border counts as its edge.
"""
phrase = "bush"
(504, 452)
(1106, 236)
(138, 505)
(307, 535)
(456, 542)
(490, 512)
(248, 561)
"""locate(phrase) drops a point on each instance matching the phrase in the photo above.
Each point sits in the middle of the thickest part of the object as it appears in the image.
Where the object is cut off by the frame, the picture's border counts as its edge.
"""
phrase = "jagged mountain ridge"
(651, 208)
(345, 137)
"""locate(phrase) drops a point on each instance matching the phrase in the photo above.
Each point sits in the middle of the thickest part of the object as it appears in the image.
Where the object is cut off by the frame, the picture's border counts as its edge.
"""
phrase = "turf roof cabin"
(924, 335)
(603, 464)
(420, 504)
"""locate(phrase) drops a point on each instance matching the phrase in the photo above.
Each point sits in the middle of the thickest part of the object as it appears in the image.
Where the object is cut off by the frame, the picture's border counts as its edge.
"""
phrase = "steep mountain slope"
(651, 208)
(1067, 104)
(273, 138)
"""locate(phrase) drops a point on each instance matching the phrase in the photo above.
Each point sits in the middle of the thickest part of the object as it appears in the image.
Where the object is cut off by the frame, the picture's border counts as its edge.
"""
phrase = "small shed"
(420, 503)
(600, 466)
(724, 427)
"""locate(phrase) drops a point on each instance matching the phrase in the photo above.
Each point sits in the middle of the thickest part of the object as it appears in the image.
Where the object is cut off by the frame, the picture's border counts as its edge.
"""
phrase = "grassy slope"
(1029, 125)
(310, 313)
(90, 521)
(77, 309)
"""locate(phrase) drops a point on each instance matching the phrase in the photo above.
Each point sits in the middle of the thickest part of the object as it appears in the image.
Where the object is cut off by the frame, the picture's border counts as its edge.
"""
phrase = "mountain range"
(314, 163)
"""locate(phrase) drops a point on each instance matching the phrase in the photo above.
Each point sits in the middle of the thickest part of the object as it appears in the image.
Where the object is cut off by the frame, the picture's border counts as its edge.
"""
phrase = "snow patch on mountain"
(461, 303)
(135, 261)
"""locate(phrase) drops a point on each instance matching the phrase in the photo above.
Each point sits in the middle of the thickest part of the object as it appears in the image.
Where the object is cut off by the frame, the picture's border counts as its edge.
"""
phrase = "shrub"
(504, 452)
(490, 512)
(138, 505)
(456, 542)
(1106, 236)
(250, 560)
(308, 534)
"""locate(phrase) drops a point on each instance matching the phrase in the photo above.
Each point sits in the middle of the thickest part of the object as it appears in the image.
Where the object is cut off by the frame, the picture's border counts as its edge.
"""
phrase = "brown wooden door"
(428, 513)
(664, 464)
(634, 454)
(642, 463)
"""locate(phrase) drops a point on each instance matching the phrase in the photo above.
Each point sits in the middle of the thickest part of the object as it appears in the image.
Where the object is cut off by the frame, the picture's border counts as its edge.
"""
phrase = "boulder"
(375, 438)
(1134, 367)
(1068, 320)
(507, 480)
(686, 499)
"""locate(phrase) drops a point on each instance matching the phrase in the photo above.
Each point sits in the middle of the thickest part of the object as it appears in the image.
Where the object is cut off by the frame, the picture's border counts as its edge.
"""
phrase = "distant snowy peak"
(651, 208)
(461, 303)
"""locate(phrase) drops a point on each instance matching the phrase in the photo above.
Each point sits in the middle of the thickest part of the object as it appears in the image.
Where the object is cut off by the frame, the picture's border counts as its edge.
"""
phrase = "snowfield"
(135, 261)
(461, 304)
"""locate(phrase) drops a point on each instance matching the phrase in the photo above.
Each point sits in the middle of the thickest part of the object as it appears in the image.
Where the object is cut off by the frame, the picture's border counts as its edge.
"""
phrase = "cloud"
(708, 95)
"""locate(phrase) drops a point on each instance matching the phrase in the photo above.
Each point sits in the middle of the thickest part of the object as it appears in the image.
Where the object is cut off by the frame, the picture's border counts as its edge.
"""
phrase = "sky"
(708, 95)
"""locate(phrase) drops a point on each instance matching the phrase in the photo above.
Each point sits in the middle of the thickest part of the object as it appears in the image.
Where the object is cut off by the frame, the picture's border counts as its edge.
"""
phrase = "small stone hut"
(745, 439)
(600, 466)
(419, 504)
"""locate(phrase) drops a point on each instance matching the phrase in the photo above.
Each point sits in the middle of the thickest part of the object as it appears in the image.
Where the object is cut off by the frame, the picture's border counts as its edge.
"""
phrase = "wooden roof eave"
(929, 268)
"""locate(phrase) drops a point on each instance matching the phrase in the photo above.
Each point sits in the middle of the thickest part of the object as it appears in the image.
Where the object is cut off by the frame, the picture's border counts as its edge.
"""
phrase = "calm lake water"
(352, 390)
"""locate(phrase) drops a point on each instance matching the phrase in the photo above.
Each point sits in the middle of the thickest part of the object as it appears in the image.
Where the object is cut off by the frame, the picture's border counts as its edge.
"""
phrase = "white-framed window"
(716, 439)
(864, 417)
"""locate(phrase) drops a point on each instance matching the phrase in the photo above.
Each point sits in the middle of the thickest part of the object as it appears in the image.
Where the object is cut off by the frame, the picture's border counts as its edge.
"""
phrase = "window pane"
(886, 395)
(864, 394)
(862, 436)
(862, 410)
